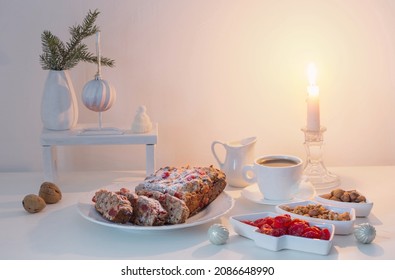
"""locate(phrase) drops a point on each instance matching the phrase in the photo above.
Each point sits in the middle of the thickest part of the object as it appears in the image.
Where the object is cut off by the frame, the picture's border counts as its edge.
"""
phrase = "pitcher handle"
(247, 170)
(215, 154)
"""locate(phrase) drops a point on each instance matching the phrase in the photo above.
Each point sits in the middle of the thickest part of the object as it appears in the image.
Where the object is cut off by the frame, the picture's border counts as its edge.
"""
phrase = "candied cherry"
(297, 228)
(282, 221)
(311, 233)
(279, 231)
(266, 229)
(263, 221)
(325, 234)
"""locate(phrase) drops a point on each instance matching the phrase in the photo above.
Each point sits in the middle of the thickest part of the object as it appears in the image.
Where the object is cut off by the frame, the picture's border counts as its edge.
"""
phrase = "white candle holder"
(314, 168)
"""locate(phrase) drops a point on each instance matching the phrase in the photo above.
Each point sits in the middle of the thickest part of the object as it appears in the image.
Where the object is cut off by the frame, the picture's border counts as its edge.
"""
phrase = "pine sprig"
(63, 56)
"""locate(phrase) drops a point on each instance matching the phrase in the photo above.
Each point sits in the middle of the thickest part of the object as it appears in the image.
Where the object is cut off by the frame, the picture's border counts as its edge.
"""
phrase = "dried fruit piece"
(33, 203)
(50, 192)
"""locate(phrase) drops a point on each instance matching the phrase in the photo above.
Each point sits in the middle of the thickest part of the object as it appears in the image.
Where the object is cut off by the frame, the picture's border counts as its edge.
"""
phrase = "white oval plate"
(220, 206)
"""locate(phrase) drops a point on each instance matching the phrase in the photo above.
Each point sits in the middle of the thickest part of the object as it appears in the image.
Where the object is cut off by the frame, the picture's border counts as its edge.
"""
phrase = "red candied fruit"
(312, 232)
(279, 232)
(264, 221)
(297, 227)
(285, 225)
(282, 221)
(112, 212)
(266, 229)
(325, 234)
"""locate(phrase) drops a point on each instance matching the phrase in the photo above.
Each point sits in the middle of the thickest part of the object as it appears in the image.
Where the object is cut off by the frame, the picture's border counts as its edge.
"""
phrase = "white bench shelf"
(50, 139)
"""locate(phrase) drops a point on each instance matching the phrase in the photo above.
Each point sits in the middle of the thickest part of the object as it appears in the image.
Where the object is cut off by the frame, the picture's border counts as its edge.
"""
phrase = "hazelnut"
(326, 196)
(345, 197)
(50, 192)
(335, 198)
(360, 199)
(338, 193)
(353, 195)
(33, 203)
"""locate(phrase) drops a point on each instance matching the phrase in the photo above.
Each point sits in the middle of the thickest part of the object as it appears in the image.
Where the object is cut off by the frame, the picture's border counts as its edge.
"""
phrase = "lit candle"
(313, 105)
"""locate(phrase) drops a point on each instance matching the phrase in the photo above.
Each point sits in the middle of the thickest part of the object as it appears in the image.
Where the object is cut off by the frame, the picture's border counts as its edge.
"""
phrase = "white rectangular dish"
(341, 227)
(273, 243)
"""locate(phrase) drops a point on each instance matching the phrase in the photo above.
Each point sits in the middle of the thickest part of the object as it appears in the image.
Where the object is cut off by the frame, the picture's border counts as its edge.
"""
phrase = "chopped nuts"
(317, 211)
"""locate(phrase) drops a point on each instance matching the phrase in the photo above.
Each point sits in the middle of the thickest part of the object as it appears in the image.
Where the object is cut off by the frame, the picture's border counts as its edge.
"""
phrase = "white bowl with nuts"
(347, 198)
(312, 211)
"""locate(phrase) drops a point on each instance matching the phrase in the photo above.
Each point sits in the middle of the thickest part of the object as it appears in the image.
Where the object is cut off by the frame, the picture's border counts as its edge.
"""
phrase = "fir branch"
(104, 61)
(53, 50)
(60, 56)
(80, 32)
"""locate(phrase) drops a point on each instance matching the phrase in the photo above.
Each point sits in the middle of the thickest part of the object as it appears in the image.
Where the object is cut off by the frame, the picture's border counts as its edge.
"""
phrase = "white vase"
(59, 108)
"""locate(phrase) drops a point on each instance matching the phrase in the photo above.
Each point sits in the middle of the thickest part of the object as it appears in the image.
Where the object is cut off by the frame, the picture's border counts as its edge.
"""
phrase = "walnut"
(313, 212)
(344, 216)
(33, 203)
(50, 192)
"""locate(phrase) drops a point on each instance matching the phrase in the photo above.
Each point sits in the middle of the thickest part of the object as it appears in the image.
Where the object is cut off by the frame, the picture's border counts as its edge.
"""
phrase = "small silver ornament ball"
(365, 233)
(218, 234)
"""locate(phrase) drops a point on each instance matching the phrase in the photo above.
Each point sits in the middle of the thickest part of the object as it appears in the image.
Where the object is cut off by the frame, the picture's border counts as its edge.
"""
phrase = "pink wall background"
(210, 70)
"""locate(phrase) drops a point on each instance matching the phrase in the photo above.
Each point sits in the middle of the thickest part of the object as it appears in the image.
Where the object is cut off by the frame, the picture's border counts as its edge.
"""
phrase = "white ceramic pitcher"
(238, 153)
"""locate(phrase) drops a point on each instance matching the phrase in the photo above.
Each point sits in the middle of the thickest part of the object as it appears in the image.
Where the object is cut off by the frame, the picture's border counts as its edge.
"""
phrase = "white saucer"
(306, 192)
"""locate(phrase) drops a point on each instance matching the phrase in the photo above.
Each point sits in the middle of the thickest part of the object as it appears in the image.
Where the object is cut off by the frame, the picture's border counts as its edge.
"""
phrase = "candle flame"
(312, 73)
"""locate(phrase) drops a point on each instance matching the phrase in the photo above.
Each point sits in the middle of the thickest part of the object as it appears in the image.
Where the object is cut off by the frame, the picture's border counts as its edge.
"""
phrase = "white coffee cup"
(278, 176)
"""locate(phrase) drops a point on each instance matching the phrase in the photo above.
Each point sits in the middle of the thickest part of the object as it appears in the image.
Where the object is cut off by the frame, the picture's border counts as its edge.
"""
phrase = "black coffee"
(277, 162)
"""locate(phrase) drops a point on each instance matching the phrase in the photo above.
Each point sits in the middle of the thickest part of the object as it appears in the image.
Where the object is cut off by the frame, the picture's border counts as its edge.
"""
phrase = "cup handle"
(296, 187)
(247, 169)
(215, 154)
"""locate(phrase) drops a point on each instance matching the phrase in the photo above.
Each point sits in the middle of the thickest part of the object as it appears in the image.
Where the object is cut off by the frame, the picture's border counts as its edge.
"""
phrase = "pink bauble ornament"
(98, 95)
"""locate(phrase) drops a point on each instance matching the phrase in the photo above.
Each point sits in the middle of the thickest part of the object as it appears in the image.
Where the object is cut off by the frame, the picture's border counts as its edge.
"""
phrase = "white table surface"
(59, 232)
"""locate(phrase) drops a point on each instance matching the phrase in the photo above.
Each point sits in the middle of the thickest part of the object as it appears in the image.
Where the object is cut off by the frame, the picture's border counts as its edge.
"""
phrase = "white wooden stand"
(52, 138)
